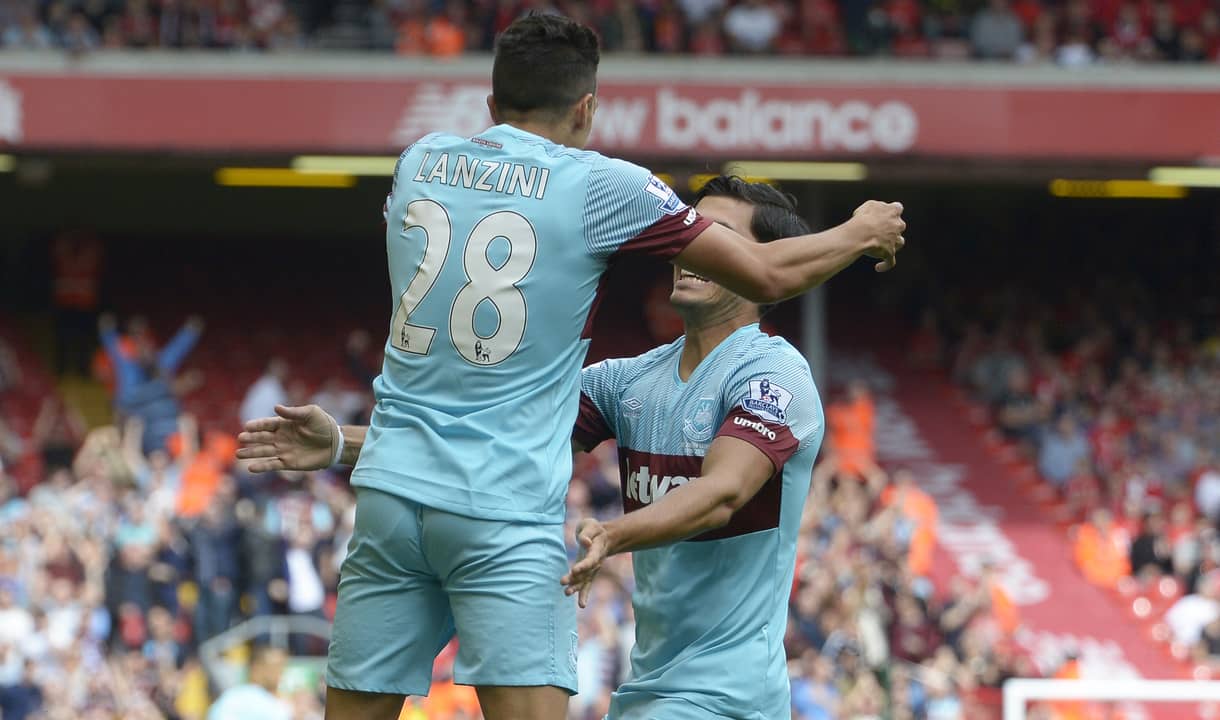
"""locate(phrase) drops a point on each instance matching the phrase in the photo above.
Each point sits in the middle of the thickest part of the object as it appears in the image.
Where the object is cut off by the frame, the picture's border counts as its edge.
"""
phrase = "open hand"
(300, 438)
(884, 226)
(594, 545)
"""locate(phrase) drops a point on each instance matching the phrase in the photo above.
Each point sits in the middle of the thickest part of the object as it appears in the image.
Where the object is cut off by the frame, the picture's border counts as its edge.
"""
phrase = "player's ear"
(491, 108)
(586, 108)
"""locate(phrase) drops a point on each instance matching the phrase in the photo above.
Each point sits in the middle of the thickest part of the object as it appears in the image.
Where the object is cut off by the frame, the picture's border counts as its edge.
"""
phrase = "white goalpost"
(1018, 693)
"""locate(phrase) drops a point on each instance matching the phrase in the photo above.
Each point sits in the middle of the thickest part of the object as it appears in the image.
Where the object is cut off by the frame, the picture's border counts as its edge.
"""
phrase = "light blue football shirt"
(710, 611)
(496, 247)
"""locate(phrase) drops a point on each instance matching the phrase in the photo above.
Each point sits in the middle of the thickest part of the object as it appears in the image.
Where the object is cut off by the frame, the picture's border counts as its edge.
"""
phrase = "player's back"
(496, 245)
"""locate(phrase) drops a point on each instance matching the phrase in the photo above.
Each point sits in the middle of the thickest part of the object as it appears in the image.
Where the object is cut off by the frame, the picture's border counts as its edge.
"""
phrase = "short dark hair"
(775, 214)
(544, 63)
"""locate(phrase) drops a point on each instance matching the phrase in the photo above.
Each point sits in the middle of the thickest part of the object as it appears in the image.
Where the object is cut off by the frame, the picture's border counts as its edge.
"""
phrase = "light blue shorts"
(415, 575)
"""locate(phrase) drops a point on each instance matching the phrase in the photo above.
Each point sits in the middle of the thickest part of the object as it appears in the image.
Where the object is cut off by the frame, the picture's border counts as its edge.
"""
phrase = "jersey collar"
(707, 361)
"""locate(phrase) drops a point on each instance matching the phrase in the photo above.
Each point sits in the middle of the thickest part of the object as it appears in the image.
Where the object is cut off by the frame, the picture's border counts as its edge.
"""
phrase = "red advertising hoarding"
(655, 118)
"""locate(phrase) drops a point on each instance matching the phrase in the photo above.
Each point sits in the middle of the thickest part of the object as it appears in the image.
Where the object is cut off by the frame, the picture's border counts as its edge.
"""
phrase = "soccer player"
(717, 433)
(496, 245)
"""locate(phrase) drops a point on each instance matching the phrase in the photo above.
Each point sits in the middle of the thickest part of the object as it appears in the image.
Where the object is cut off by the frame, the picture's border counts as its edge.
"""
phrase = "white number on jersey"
(497, 285)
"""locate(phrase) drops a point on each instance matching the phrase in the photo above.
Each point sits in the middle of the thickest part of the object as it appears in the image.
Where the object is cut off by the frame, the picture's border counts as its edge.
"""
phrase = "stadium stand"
(117, 568)
(1073, 33)
(1111, 406)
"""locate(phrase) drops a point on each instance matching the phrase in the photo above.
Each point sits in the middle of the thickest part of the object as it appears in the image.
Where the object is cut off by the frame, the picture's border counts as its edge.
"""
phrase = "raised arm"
(176, 350)
(108, 333)
(775, 271)
(733, 472)
(298, 438)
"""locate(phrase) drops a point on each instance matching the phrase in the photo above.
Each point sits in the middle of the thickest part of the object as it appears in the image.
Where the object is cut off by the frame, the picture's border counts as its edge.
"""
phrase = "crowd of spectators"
(1119, 410)
(143, 541)
(129, 554)
(1067, 32)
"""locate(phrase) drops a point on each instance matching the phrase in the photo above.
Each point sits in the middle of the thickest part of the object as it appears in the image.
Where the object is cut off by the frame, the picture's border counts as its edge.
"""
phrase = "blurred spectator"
(144, 385)
(215, 544)
(79, 37)
(698, 11)
(625, 28)
(137, 28)
(1166, 40)
(1102, 550)
(996, 32)
(76, 256)
(446, 31)
(58, 431)
(16, 623)
(1151, 552)
(355, 355)
(752, 26)
(27, 33)
(306, 592)
(266, 392)
(1191, 613)
(1075, 51)
(22, 699)
(920, 511)
(1062, 451)
(1207, 487)
(851, 440)
(256, 699)
(1018, 413)
(815, 695)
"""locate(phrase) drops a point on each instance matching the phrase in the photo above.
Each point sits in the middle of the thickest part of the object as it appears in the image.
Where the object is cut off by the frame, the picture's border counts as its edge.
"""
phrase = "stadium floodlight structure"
(1018, 693)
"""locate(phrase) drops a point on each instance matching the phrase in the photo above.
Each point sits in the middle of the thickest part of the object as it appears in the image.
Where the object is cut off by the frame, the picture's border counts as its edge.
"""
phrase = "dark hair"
(775, 214)
(544, 63)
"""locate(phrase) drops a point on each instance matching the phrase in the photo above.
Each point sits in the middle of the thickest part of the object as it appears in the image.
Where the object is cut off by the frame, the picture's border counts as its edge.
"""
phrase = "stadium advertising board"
(652, 118)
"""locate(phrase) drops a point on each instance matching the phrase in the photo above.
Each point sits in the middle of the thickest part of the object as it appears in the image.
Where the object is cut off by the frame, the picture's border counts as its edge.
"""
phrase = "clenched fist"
(882, 224)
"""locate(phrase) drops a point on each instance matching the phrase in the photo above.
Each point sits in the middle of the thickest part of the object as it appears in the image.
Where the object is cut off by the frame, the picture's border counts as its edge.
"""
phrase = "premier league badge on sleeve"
(767, 400)
(671, 204)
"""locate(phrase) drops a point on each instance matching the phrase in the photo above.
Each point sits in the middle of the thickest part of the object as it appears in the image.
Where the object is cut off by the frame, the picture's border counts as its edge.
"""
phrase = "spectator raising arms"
(144, 386)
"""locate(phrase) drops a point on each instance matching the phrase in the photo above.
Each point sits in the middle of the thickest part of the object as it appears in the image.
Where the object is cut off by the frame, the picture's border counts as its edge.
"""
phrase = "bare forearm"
(353, 441)
(802, 263)
(680, 514)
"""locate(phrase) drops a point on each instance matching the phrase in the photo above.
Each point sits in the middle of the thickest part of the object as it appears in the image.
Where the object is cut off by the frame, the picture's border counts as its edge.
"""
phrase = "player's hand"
(882, 223)
(300, 438)
(594, 543)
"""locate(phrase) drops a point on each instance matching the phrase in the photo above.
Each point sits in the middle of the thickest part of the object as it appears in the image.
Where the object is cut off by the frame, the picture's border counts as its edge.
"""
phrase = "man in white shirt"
(256, 699)
(16, 623)
(266, 392)
(1207, 490)
(752, 26)
(1190, 614)
(306, 594)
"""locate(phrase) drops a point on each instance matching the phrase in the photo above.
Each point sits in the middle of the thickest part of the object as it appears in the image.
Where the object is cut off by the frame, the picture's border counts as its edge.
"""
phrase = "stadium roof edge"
(673, 69)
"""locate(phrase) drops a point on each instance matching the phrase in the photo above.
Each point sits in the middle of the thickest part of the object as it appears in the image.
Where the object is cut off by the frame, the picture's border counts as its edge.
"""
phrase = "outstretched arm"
(298, 438)
(775, 271)
(176, 350)
(733, 472)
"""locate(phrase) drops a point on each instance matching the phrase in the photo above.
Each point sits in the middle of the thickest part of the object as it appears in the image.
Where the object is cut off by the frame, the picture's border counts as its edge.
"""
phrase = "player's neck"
(556, 133)
(704, 331)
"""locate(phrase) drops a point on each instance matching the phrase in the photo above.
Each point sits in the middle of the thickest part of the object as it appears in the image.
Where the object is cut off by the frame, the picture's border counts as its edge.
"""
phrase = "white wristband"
(339, 446)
